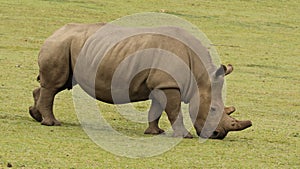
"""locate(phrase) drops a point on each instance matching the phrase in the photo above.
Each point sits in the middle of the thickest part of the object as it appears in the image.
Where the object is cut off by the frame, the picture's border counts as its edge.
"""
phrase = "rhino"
(90, 55)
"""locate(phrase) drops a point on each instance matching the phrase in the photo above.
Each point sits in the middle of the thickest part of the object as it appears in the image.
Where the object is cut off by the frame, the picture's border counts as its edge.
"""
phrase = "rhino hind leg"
(33, 111)
(153, 118)
(45, 106)
(173, 110)
(42, 110)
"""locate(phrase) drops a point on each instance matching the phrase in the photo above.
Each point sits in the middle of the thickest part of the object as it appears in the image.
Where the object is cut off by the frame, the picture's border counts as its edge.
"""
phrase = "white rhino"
(119, 65)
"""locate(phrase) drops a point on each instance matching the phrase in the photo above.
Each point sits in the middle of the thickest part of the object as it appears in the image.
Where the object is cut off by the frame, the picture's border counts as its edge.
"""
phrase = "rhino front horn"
(237, 125)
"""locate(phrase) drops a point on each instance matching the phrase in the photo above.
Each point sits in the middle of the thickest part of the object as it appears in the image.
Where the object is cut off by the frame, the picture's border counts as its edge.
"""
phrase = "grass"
(260, 38)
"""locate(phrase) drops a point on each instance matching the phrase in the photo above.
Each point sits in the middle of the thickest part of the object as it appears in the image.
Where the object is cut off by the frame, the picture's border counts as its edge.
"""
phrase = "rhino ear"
(229, 69)
(221, 71)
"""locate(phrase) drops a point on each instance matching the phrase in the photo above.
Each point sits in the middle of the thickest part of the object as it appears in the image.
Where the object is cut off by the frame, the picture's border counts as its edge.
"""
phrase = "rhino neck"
(206, 110)
(199, 106)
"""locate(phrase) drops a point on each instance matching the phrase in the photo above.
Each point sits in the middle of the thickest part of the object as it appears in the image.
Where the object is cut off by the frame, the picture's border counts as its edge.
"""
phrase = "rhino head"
(215, 116)
(228, 124)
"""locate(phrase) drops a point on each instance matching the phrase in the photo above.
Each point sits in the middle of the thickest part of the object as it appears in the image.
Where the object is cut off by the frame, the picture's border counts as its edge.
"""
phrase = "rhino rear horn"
(237, 125)
(229, 110)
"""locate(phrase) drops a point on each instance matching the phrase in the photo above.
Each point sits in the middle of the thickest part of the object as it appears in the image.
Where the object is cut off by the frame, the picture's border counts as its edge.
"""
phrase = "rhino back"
(103, 69)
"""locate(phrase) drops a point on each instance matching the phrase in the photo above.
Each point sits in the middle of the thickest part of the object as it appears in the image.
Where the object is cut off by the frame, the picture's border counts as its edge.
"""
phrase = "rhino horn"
(229, 110)
(237, 125)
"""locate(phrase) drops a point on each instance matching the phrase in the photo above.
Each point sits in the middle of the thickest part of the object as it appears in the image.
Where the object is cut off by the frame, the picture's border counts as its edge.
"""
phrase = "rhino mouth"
(219, 134)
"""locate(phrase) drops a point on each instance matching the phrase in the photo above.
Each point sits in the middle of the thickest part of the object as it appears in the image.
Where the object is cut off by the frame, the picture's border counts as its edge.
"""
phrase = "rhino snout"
(219, 134)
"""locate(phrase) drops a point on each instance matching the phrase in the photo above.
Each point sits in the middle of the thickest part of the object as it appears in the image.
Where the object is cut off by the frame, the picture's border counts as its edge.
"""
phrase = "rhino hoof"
(154, 131)
(183, 134)
(189, 135)
(50, 122)
(35, 114)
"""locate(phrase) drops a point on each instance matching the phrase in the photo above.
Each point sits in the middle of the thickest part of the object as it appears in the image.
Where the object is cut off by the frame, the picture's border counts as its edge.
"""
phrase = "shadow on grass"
(70, 124)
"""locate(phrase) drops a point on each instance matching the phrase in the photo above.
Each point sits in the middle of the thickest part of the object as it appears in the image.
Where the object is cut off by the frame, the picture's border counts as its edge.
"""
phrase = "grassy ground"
(260, 38)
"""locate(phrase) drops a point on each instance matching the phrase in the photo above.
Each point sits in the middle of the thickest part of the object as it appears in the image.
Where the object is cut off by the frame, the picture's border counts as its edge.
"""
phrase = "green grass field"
(260, 38)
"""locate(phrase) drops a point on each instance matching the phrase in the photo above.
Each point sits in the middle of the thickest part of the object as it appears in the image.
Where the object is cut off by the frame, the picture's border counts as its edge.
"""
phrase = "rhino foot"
(35, 114)
(184, 134)
(50, 122)
(154, 131)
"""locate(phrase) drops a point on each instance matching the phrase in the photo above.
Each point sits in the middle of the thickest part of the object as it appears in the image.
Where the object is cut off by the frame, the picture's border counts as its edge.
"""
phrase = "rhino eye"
(213, 109)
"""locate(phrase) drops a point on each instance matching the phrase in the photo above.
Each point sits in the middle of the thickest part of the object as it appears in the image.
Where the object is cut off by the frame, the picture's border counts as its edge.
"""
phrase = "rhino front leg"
(153, 118)
(33, 111)
(173, 110)
(45, 106)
